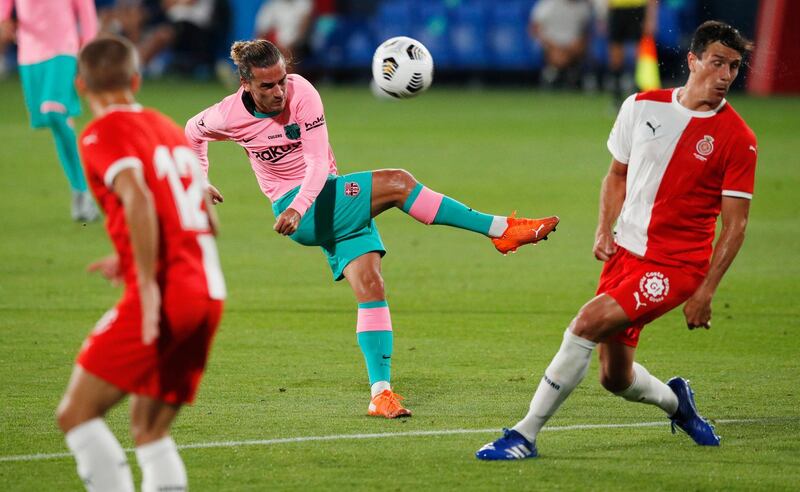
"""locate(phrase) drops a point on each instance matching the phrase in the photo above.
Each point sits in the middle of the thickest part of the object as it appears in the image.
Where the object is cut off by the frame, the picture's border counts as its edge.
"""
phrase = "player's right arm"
(87, 18)
(204, 127)
(612, 192)
(7, 27)
(612, 196)
(140, 216)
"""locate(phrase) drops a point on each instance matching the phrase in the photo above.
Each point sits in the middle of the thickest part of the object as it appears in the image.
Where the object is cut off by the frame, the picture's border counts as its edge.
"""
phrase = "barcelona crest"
(292, 131)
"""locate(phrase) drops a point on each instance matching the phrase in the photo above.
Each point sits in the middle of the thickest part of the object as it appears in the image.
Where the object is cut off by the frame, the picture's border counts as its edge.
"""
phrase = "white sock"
(498, 227)
(649, 389)
(162, 466)
(102, 464)
(377, 388)
(564, 373)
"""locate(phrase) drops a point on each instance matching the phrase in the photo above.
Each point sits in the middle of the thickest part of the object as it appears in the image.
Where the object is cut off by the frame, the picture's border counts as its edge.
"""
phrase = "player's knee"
(587, 324)
(593, 323)
(143, 432)
(402, 181)
(69, 416)
(613, 383)
(372, 286)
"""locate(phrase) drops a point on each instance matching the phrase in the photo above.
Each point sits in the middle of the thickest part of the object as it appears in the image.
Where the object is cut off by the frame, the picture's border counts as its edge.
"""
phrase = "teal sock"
(67, 148)
(430, 207)
(456, 214)
(377, 349)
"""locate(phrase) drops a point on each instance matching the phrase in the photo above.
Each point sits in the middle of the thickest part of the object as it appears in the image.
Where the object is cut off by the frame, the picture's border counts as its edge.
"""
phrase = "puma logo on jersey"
(639, 303)
(90, 139)
(654, 128)
(753, 149)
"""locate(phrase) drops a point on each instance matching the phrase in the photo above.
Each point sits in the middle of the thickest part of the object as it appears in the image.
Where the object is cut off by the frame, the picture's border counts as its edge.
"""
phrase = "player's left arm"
(735, 213)
(314, 137)
(87, 18)
(140, 216)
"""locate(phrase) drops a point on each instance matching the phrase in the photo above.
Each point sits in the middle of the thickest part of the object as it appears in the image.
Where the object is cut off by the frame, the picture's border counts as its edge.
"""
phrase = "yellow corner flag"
(647, 77)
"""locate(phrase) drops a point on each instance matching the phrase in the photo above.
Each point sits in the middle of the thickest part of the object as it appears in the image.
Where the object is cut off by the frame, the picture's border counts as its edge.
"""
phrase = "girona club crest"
(705, 146)
(654, 286)
(352, 189)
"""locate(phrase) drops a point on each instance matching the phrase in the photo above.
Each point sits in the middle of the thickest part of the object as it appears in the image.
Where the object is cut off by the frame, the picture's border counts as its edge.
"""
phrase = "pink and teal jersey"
(48, 28)
(286, 150)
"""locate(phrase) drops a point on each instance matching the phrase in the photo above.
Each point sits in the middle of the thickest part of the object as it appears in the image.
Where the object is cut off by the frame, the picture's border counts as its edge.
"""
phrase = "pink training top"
(47, 28)
(286, 150)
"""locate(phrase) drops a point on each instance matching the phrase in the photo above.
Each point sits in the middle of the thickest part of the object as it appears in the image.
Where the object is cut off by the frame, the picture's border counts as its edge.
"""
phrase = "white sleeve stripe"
(119, 165)
(737, 194)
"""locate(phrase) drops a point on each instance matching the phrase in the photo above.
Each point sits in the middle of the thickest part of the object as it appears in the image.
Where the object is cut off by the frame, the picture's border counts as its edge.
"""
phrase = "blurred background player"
(154, 344)
(562, 29)
(190, 29)
(680, 158)
(280, 122)
(49, 34)
(286, 24)
(628, 21)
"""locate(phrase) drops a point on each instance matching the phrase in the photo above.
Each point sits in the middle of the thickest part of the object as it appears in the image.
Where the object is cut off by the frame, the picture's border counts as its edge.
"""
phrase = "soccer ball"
(402, 67)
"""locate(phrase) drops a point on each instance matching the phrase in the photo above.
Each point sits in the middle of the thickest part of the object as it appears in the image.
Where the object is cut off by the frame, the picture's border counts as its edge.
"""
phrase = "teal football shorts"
(49, 87)
(339, 220)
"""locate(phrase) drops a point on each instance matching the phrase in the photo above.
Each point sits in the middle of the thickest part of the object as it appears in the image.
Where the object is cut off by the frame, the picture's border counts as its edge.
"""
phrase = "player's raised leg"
(374, 332)
(161, 465)
(102, 464)
(397, 188)
(596, 320)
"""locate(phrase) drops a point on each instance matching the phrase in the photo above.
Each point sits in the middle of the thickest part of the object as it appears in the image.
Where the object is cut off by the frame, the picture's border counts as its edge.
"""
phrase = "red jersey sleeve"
(105, 154)
(740, 168)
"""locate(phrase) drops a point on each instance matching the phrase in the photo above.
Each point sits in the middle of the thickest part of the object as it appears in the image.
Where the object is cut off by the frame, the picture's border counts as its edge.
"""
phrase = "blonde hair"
(258, 53)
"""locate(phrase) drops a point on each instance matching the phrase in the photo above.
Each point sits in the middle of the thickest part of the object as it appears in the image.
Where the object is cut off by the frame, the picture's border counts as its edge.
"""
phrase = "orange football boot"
(523, 231)
(387, 404)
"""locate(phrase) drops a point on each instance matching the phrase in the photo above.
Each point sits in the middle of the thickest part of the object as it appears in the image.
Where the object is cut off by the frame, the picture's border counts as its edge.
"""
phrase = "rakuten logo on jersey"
(275, 154)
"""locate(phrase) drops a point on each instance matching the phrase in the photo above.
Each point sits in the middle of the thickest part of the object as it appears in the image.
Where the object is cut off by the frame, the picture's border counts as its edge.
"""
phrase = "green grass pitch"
(473, 330)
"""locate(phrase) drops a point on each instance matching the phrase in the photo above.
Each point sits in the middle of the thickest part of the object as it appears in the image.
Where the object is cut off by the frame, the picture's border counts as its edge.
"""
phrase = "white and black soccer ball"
(402, 67)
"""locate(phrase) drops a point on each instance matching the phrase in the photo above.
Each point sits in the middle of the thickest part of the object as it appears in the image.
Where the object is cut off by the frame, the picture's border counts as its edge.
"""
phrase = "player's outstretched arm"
(214, 194)
(612, 195)
(213, 219)
(140, 215)
(108, 267)
(735, 212)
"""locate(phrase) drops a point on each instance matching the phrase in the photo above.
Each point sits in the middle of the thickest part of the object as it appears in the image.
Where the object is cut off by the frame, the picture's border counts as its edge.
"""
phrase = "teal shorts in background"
(49, 87)
(338, 221)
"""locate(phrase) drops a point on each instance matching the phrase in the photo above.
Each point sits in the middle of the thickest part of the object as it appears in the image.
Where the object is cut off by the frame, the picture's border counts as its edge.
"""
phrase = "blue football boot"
(512, 446)
(687, 418)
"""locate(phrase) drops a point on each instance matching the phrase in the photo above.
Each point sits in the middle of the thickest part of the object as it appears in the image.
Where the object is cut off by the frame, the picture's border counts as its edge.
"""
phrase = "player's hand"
(698, 310)
(213, 192)
(8, 31)
(108, 268)
(150, 297)
(287, 222)
(604, 245)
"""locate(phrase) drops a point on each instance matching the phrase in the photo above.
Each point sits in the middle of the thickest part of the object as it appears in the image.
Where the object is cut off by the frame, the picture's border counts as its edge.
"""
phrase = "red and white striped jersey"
(680, 165)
